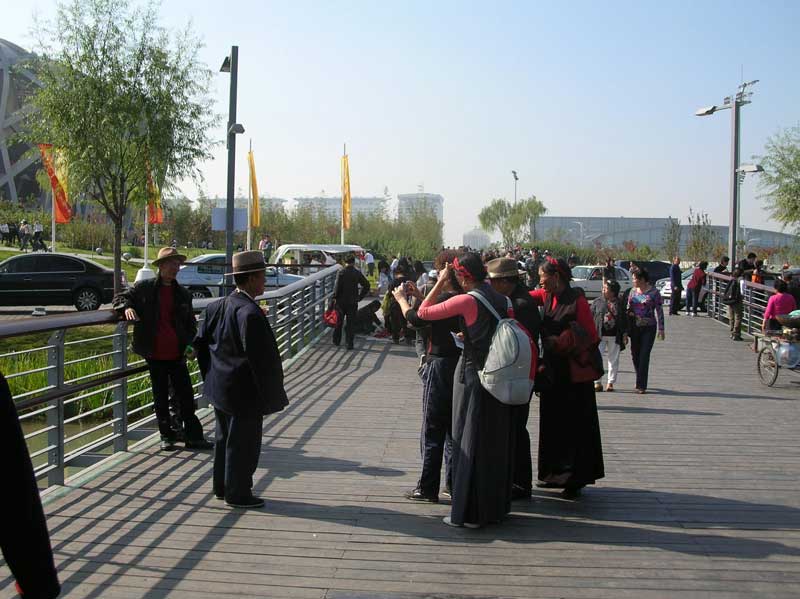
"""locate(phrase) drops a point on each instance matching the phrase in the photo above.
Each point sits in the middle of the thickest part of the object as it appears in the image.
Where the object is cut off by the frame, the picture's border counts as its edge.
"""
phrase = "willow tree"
(514, 221)
(123, 99)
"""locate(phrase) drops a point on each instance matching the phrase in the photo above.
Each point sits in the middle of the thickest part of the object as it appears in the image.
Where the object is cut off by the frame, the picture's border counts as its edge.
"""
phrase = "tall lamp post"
(231, 65)
(734, 103)
(581, 226)
(515, 185)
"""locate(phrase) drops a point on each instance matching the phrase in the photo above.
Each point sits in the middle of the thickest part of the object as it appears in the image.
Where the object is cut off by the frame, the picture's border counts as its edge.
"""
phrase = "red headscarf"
(460, 269)
(562, 270)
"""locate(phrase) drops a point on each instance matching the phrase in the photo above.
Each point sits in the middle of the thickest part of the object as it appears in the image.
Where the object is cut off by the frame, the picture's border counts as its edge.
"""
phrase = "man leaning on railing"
(163, 331)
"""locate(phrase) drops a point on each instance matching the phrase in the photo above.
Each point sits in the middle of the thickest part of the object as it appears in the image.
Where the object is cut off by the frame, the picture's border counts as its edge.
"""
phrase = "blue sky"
(592, 103)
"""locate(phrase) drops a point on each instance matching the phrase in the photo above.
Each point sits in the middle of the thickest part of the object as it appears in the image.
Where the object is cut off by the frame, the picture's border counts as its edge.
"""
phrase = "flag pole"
(249, 201)
(52, 221)
(344, 153)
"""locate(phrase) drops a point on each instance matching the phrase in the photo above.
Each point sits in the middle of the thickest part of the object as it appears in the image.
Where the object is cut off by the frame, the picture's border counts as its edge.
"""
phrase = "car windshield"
(582, 272)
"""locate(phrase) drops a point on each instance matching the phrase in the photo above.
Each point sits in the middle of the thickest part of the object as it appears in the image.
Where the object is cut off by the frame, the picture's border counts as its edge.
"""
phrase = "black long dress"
(570, 447)
(482, 460)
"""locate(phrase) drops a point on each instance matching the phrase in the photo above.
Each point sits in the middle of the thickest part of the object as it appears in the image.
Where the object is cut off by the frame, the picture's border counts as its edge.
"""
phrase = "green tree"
(702, 238)
(672, 237)
(120, 92)
(780, 181)
(515, 222)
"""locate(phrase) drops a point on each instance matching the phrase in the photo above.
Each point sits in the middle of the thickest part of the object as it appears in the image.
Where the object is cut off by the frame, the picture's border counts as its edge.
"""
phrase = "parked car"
(657, 269)
(664, 286)
(56, 280)
(203, 276)
(590, 279)
(320, 253)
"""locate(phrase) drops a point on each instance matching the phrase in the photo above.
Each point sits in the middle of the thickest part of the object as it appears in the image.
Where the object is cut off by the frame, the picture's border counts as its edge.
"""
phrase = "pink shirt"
(461, 305)
(779, 304)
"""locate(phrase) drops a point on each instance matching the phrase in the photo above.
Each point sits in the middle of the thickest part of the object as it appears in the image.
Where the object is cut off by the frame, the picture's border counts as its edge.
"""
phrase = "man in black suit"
(243, 379)
(504, 277)
(346, 297)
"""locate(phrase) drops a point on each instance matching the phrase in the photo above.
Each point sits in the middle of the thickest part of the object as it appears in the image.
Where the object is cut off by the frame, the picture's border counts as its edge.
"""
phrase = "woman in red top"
(694, 288)
(570, 448)
(482, 427)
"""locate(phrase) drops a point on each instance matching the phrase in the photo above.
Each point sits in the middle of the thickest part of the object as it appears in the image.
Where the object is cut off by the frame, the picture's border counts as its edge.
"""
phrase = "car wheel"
(199, 293)
(87, 299)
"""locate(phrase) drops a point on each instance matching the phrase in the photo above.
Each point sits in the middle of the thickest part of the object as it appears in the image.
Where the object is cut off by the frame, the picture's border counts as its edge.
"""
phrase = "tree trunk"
(117, 256)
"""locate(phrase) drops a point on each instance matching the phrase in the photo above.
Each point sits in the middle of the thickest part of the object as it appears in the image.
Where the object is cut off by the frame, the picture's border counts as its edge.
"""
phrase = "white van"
(314, 253)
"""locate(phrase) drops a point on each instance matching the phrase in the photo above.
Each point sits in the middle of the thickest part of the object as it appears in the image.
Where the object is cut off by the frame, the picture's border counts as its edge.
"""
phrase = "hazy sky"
(591, 102)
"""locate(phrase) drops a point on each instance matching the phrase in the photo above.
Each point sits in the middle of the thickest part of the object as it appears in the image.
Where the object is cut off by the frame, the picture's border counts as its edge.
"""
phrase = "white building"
(408, 202)
(333, 205)
(477, 239)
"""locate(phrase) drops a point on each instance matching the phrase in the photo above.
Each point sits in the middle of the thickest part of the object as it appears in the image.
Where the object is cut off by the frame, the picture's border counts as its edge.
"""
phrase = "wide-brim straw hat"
(244, 262)
(166, 253)
(503, 268)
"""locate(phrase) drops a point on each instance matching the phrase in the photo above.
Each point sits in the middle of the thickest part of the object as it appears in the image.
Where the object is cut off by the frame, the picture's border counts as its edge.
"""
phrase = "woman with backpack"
(570, 448)
(733, 298)
(482, 426)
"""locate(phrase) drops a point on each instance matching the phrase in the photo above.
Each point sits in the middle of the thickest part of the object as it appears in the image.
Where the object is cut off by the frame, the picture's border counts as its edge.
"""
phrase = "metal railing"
(85, 395)
(754, 299)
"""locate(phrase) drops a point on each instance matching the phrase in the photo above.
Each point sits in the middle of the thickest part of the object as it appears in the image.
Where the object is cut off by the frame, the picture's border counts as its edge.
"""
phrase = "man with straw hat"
(243, 379)
(164, 327)
(504, 276)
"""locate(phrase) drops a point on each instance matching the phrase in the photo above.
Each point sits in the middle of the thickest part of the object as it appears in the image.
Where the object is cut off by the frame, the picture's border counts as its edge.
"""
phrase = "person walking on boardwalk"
(645, 323)
(676, 283)
(346, 296)
(164, 327)
(243, 379)
(570, 447)
(504, 277)
(438, 371)
(611, 326)
(483, 429)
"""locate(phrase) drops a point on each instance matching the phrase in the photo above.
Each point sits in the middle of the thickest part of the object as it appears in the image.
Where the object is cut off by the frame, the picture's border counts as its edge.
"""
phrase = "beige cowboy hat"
(166, 253)
(503, 268)
(244, 262)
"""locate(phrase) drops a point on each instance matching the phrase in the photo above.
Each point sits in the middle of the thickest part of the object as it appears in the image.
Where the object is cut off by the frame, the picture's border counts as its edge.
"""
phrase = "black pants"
(435, 440)
(348, 321)
(675, 301)
(162, 373)
(236, 451)
(642, 339)
(523, 466)
(371, 269)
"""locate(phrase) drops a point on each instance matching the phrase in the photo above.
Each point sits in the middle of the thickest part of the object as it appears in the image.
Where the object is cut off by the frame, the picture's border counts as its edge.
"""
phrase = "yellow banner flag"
(255, 216)
(345, 193)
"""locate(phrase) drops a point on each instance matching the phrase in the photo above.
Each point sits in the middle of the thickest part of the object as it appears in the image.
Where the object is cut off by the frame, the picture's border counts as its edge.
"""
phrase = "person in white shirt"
(370, 260)
(393, 265)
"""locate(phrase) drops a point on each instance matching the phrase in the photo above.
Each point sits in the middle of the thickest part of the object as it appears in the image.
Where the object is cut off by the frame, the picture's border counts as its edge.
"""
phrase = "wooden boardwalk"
(702, 497)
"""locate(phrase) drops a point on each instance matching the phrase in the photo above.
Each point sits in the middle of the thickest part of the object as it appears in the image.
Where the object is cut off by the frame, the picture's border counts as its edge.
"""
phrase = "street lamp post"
(581, 228)
(515, 185)
(734, 104)
(231, 65)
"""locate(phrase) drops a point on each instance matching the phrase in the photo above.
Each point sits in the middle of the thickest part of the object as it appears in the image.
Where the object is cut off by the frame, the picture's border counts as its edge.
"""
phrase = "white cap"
(434, 274)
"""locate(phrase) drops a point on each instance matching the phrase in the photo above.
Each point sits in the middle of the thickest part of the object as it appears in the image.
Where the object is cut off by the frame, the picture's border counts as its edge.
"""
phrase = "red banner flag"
(60, 201)
(155, 215)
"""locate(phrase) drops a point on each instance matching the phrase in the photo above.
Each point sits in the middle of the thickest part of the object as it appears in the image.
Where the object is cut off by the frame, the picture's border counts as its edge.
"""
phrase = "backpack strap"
(488, 305)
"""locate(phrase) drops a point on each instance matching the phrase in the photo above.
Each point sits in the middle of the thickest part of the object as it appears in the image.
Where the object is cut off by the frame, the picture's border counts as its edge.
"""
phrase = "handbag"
(332, 317)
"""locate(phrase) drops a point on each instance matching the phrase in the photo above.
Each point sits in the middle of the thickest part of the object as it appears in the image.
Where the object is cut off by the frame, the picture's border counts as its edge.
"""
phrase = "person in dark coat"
(24, 539)
(504, 277)
(243, 379)
(346, 296)
(483, 429)
(162, 334)
(570, 447)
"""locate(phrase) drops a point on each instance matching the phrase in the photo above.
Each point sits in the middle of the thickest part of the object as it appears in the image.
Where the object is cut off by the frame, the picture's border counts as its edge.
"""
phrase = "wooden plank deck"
(701, 497)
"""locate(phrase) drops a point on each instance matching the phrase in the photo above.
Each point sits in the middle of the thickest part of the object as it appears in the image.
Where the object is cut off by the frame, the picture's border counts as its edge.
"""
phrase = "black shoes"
(520, 492)
(571, 493)
(199, 444)
(167, 444)
(545, 485)
(418, 495)
(245, 502)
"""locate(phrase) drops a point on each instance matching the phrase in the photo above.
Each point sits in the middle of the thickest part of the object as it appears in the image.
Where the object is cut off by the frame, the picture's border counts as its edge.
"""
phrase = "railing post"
(120, 361)
(301, 320)
(314, 309)
(55, 415)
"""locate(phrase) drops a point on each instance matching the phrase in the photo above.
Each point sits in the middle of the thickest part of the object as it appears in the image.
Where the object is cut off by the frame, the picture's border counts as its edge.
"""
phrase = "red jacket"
(698, 279)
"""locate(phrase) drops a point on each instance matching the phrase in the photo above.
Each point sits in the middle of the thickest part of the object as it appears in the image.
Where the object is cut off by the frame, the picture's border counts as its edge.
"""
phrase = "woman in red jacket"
(694, 288)
(570, 447)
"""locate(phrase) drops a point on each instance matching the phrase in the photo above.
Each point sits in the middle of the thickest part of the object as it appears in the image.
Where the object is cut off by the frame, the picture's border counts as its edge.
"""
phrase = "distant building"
(614, 231)
(333, 205)
(477, 239)
(17, 172)
(407, 202)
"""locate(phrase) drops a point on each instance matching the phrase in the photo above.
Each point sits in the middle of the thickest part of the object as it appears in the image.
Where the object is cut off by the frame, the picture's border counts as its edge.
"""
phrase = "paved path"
(701, 498)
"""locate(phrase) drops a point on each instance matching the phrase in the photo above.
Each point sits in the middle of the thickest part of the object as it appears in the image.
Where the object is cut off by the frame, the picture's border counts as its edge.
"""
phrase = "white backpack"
(511, 363)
